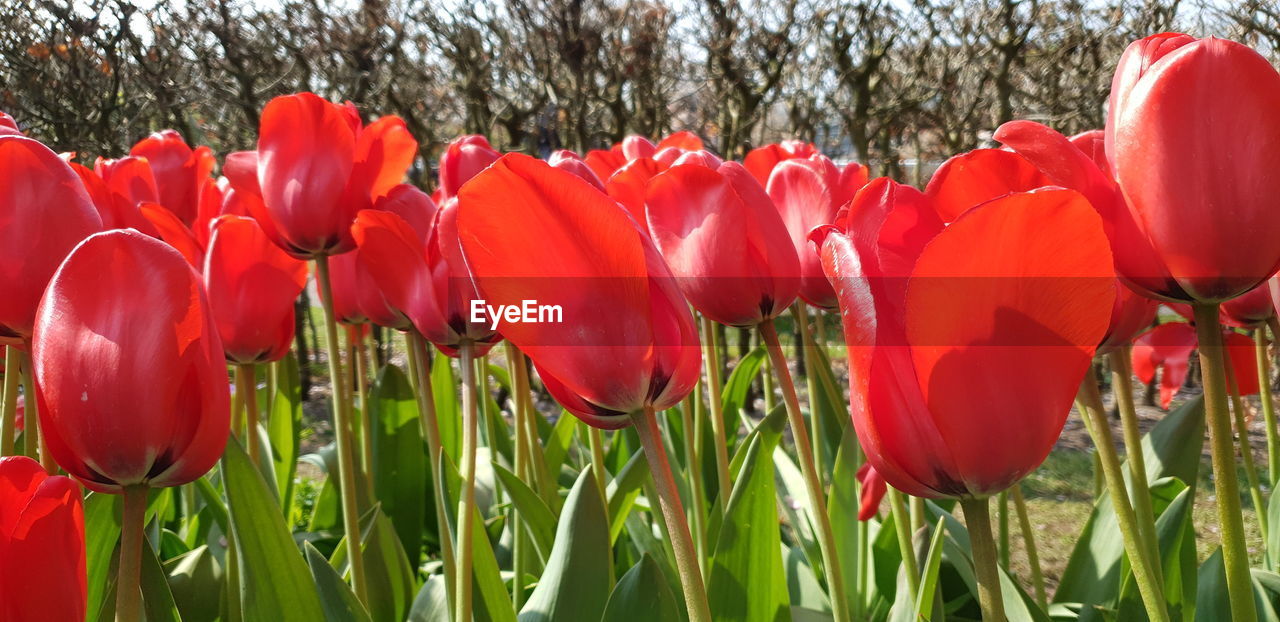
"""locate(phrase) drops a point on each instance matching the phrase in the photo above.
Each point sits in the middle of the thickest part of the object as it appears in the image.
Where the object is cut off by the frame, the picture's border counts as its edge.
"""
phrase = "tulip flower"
(1129, 316)
(634, 147)
(463, 159)
(761, 160)
(8, 125)
(806, 196)
(980, 175)
(46, 212)
(628, 185)
(724, 240)
(605, 162)
(179, 172)
(131, 177)
(1166, 348)
(132, 379)
(1023, 320)
(251, 285)
(683, 139)
(532, 232)
(569, 161)
(42, 547)
(873, 491)
(318, 167)
(115, 210)
(1251, 310)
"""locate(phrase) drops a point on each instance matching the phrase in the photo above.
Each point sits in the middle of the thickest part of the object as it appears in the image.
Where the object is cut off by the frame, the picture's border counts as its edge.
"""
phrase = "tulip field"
(648, 382)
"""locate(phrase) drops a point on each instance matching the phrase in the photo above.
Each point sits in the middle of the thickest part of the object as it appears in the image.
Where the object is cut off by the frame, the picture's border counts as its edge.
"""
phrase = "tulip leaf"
(929, 581)
(445, 392)
(641, 595)
(1177, 542)
(326, 513)
(491, 602)
(578, 577)
(157, 599)
(746, 580)
(534, 514)
(734, 394)
(102, 531)
(284, 424)
(389, 579)
(843, 505)
(399, 458)
(624, 490)
(339, 601)
(196, 581)
(274, 581)
(1092, 578)
(432, 602)
(829, 415)
(802, 584)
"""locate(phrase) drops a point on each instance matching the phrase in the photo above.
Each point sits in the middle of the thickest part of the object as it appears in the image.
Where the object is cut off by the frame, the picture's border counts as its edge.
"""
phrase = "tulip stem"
(906, 546)
(427, 419)
(808, 468)
(1246, 450)
(695, 591)
(34, 435)
(9, 410)
(361, 358)
(1143, 512)
(1268, 405)
(801, 313)
(1094, 415)
(245, 381)
(466, 510)
(697, 498)
(601, 475)
(977, 517)
(520, 387)
(342, 430)
(1029, 538)
(711, 360)
(1234, 554)
(128, 592)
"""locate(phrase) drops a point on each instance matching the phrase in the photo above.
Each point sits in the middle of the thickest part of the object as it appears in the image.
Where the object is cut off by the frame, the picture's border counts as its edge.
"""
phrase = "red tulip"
(1167, 347)
(1093, 143)
(722, 237)
(683, 139)
(1243, 363)
(116, 211)
(605, 162)
(180, 172)
(761, 160)
(8, 125)
(1191, 134)
(1129, 316)
(964, 355)
(628, 185)
(1250, 310)
(873, 491)
(634, 147)
(800, 191)
(45, 212)
(972, 178)
(531, 232)
(569, 161)
(131, 177)
(318, 167)
(463, 159)
(133, 383)
(251, 285)
(42, 572)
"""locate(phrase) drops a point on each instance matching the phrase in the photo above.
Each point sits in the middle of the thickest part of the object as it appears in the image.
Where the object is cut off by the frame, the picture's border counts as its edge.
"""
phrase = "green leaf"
(746, 580)
(399, 458)
(283, 426)
(274, 581)
(389, 579)
(843, 505)
(642, 595)
(157, 600)
(535, 514)
(734, 393)
(493, 602)
(445, 392)
(577, 580)
(1176, 536)
(339, 601)
(624, 490)
(829, 414)
(432, 602)
(196, 581)
(929, 582)
(102, 532)
(802, 584)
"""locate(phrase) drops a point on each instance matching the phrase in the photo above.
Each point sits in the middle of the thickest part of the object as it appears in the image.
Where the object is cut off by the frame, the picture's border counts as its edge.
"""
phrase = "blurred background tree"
(898, 84)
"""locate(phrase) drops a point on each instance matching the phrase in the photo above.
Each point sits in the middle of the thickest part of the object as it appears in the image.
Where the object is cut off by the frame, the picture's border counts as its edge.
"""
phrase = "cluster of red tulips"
(147, 310)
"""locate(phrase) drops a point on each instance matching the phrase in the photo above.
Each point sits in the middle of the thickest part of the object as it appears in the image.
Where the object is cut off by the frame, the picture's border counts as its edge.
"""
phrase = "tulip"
(805, 197)
(972, 178)
(179, 171)
(8, 125)
(1166, 348)
(133, 383)
(605, 162)
(628, 185)
(463, 159)
(131, 177)
(683, 139)
(1023, 320)
(722, 237)
(115, 210)
(1252, 310)
(634, 147)
(42, 548)
(873, 490)
(318, 167)
(569, 161)
(46, 212)
(531, 232)
(1130, 314)
(1205, 233)
(762, 160)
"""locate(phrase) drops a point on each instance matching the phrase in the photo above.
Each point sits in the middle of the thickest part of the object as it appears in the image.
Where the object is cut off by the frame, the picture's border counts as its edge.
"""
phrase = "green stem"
(977, 516)
(342, 430)
(693, 470)
(1002, 528)
(1141, 497)
(1235, 555)
(808, 468)
(1029, 538)
(466, 510)
(711, 361)
(1268, 405)
(863, 544)
(1094, 415)
(34, 440)
(1246, 450)
(906, 546)
(129, 572)
(245, 386)
(361, 359)
(600, 473)
(695, 591)
(801, 312)
(9, 409)
(427, 419)
(520, 544)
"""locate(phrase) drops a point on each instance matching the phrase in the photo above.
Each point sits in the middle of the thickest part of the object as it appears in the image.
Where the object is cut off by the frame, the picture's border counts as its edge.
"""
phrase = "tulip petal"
(627, 186)
(970, 179)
